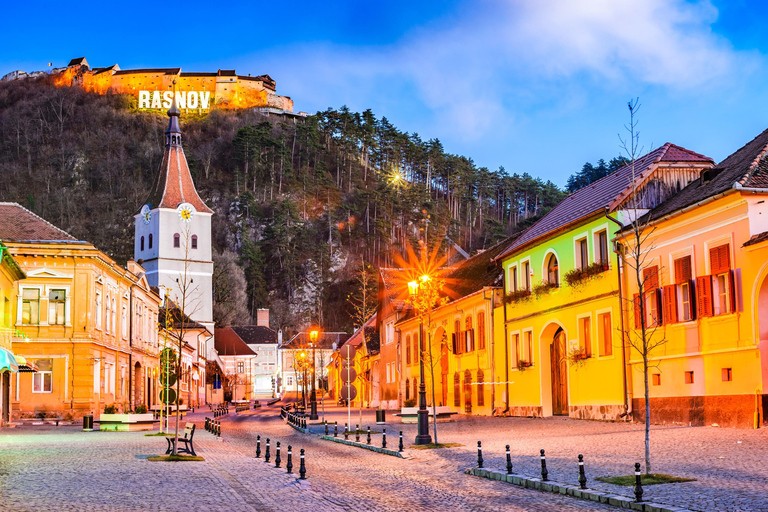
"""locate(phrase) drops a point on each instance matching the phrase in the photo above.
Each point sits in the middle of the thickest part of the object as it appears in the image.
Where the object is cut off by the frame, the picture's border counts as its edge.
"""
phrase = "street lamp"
(422, 437)
(313, 397)
(302, 357)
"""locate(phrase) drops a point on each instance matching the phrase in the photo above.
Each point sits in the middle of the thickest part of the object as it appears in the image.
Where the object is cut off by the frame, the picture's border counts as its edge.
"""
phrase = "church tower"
(174, 226)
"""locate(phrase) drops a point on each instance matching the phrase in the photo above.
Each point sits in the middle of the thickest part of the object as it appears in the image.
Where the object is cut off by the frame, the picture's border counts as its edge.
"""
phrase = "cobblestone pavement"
(728, 464)
(65, 469)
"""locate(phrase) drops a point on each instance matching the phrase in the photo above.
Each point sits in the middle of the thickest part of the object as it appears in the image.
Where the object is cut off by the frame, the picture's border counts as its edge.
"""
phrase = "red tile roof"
(255, 334)
(604, 194)
(228, 343)
(21, 225)
(762, 237)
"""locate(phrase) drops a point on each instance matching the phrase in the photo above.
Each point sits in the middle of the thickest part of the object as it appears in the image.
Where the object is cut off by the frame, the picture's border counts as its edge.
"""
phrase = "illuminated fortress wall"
(222, 89)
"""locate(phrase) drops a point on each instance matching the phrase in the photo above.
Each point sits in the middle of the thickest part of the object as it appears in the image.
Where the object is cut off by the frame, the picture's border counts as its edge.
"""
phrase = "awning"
(26, 366)
(8, 362)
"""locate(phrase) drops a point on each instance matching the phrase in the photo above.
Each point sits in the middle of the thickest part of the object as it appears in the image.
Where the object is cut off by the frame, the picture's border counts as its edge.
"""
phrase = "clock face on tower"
(146, 215)
(185, 211)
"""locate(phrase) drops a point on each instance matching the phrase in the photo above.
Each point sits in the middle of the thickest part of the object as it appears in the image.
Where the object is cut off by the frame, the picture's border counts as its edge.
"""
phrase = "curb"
(574, 490)
(376, 449)
(302, 430)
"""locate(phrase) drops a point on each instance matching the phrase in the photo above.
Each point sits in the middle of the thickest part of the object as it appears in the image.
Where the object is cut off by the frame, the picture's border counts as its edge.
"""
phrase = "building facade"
(10, 273)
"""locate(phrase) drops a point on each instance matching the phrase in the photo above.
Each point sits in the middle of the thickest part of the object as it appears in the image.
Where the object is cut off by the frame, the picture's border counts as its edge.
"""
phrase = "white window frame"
(599, 325)
(544, 265)
(577, 263)
(20, 304)
(515, 344)
(527, 346)
(676, 255)
(590, 341)
(48, 290)
(596, 243)
(514, 280)
(124, 322)
(98, 310)
(41, 376)
(527, 280)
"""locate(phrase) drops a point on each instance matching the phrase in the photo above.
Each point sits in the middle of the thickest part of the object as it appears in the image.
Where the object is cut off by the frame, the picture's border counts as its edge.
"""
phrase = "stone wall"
(736, 411)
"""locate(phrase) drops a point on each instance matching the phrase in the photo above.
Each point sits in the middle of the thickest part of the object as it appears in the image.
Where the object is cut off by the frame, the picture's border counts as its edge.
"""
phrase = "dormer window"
(176, 240)
(194, 241)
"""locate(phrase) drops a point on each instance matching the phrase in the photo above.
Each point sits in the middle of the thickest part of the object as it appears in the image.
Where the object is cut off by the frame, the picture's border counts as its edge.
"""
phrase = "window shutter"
(471, 340)
(453, 341)
(670, 304)
(704, 296)
(638, 314)
(659, 306)
(734, 302)
(651, 278)
(682, 270)
(720, 259)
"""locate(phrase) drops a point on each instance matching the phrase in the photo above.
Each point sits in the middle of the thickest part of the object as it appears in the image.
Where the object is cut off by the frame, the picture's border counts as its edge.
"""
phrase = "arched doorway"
(137, 384)
(761, 300)
(559, 372)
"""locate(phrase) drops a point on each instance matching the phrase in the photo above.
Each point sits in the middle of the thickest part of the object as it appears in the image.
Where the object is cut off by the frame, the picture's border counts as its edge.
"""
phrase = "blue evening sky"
(538, 86)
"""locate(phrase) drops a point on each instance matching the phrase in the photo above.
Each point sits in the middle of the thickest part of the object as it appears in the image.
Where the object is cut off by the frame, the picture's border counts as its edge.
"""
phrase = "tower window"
(150, 240)
(194, 241)
(142, 244)
(176, 240)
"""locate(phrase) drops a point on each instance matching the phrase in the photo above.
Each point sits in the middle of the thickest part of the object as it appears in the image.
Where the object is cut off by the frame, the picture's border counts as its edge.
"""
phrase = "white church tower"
(174, 225)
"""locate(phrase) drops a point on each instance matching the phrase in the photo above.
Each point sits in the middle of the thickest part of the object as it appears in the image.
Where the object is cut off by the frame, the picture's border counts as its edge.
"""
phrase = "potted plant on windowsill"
(523, 365)
(579, 276)
(578, 357)
(516, 296)
(543, 288)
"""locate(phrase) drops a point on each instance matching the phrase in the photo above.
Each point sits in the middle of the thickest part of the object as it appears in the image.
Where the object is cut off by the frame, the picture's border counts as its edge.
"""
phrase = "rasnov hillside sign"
(184, 99)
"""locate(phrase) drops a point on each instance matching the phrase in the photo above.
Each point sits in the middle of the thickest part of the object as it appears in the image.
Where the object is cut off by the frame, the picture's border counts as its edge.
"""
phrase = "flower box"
(127, 422)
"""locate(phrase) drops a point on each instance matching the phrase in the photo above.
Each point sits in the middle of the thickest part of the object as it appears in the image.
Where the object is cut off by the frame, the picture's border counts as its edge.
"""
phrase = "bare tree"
(229, 295)
(638, 244)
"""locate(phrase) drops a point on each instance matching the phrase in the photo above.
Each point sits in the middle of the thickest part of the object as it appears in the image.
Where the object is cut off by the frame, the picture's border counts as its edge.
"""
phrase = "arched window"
(142, 244)
(114, 316)
(481, 330)
(457, 341)
(176, 240)
(194, 241)
(150, 240)
(407, 389)
(469, 335)
(552, 270)
(480, 388)
(407, 351)
(456, 390)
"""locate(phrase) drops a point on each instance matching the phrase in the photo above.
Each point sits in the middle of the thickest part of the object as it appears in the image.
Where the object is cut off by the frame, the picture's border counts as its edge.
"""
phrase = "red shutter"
(719, 259)
(638, 314)
(682, 269)
(704, 296)
(472, 340)
(650, 278)
(453, 342)
(692, 297)
(670, 304)
(734, 302)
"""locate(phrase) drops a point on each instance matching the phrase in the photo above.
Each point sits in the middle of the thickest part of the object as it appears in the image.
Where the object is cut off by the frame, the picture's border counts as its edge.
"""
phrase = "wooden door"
(467, 392)
(559, 375)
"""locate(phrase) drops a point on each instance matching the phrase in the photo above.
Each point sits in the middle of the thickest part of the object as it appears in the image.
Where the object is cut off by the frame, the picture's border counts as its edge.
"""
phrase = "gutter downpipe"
(620, 264)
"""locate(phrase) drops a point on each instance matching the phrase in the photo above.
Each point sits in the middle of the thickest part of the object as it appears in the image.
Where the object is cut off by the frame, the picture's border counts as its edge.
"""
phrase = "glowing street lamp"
(302, 363)
(423, 436)
(313, 397)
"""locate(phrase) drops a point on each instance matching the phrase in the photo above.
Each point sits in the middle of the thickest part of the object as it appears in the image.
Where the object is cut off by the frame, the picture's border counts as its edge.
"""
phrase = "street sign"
(168, 396)
(348, 392)
(348, 352)
(167, 379)
(348, 375)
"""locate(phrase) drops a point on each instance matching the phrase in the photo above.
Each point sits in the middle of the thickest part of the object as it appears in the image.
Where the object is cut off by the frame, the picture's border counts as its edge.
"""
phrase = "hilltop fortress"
(195, 91)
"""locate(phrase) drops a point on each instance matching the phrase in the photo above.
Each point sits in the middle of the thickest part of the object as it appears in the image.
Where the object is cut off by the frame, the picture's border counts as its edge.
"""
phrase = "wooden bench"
(189, 433)
(410, 414)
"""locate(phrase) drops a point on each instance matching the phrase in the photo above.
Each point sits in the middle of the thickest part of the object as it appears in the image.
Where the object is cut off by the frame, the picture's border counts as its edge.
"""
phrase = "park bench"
(189, 433)
(410, 414)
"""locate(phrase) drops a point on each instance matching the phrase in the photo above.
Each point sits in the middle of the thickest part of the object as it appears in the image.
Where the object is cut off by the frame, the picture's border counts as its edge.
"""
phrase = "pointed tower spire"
(173, 133)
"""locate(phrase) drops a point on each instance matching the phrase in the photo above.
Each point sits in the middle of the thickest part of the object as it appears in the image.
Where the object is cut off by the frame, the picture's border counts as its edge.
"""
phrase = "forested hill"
(300, 203)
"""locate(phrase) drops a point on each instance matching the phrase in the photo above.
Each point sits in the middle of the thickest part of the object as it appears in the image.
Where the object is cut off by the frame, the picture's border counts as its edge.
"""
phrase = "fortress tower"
(174, 227)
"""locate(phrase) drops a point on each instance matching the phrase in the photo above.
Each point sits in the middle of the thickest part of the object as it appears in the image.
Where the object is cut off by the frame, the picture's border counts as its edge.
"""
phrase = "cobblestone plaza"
(62, 468)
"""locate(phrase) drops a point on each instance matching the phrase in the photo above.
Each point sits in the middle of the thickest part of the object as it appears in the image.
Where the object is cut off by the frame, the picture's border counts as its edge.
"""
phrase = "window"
(42, 380)
(56, 303)
(240, 367)
(513, 278)
(98, 311)
(457, 345)
(469, 335)
(107, 327)
(552, 270)
(124, 322)
(142, 244)
(514, 349)
(689, 377)
(656, 379)
(194, 241)
(389, 376)
(651, 289)
(150, 240)
(408, 350)
(480, 388)
(684, 295)
(456, 390)
(582, 253)
(527, 275)
(727, 374)
(176, 240)
(606, 334)
(407, 389)
(481, 330)
(602, 248)
(585, 336)
(722, 279)
(526, 352)
(30, 308)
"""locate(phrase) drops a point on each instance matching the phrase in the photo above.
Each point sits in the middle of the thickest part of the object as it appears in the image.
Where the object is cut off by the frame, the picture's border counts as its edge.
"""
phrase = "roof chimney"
(262, 317)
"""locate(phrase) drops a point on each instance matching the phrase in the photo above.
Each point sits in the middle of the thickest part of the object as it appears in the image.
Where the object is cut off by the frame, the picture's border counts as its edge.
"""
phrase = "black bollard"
(509, 462)
(258, 447)
(277, 455)
(368, 439)
(289, 462)
(544, 472)
(302, 467)
(266, 452)
(357, 433)
(479, 454)
(346, 432)
(638, 484)
(336, 429)
(384, 439)
(326, 427)
(400, 444)
(582, 476)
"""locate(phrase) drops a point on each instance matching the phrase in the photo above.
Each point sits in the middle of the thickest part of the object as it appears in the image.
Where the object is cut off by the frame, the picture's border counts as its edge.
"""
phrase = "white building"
(291, 378)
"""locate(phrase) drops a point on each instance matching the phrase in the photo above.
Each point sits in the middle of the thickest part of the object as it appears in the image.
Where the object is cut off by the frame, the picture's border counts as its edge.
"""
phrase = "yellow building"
(562, 315)
(705, 275)
(89, 325)
(10, 272)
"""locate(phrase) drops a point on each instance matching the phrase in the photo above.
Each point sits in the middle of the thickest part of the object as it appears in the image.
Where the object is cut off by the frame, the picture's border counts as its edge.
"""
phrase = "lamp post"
(422, 437)
(313, 396)
(302, 356)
